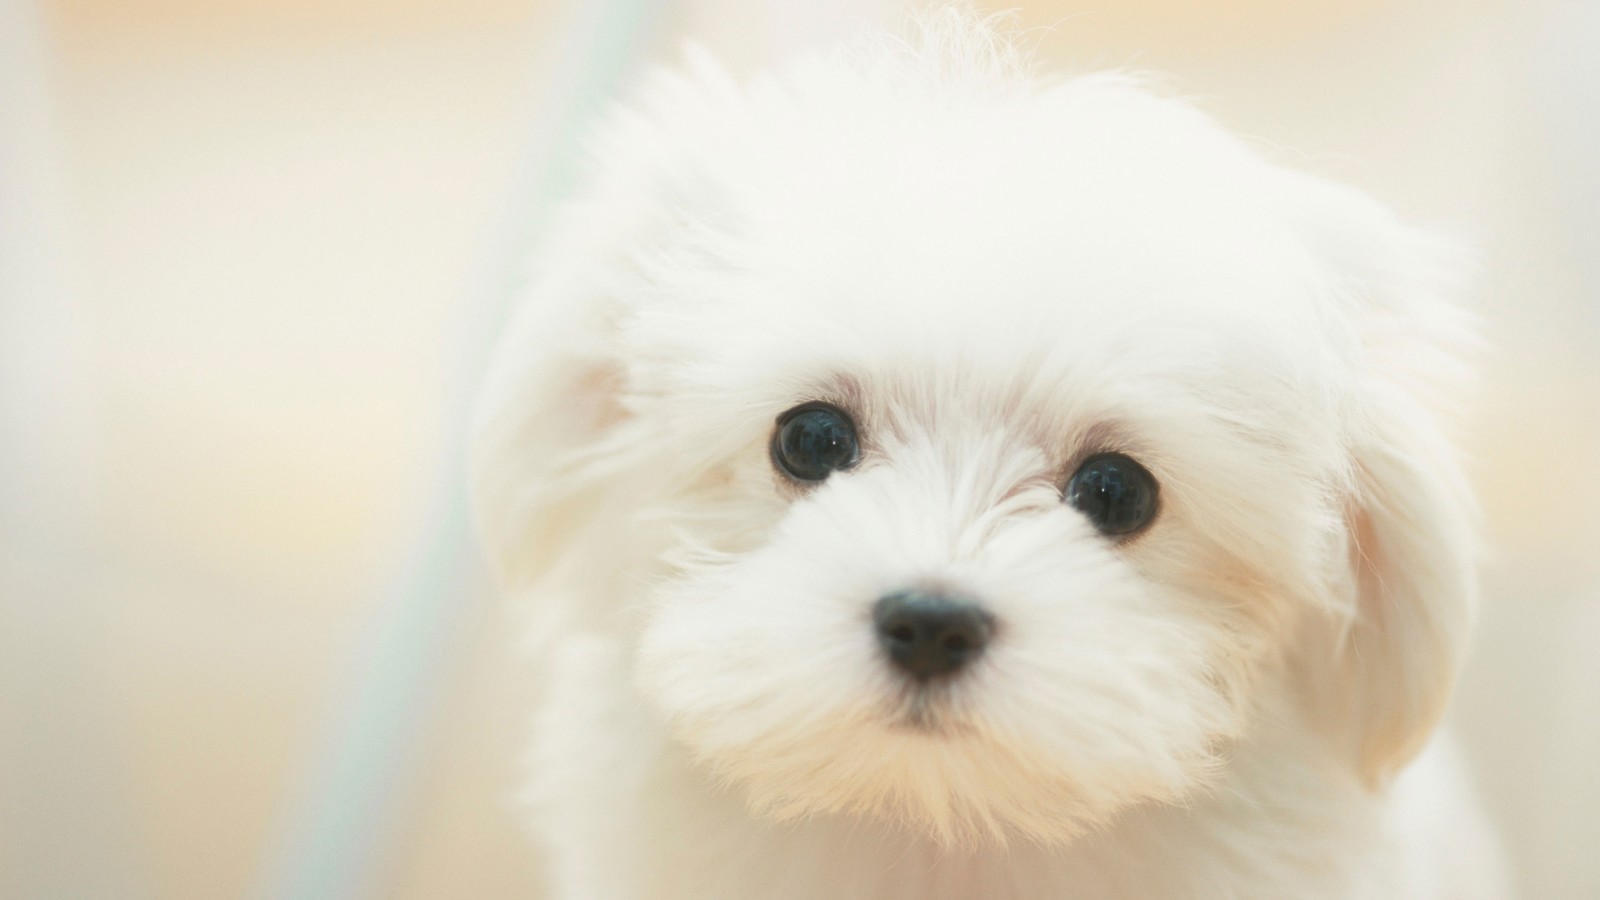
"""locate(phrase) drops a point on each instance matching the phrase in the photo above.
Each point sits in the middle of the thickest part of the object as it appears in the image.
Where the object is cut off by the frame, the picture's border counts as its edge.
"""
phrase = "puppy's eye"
(814, 440)
(1116, 493)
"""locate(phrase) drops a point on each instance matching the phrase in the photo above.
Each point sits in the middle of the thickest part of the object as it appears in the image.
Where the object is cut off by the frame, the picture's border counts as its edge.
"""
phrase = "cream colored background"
(271, 217)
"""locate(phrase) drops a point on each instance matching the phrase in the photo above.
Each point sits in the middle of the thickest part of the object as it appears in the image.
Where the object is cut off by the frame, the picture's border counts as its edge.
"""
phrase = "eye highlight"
(1117, 494)
(813, 440)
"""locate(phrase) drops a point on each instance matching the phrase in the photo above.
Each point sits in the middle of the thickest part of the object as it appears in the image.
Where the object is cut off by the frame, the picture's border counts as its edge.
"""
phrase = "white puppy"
(934, 483)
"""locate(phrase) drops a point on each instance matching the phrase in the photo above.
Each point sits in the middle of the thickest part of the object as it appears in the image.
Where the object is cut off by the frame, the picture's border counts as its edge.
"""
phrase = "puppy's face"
(990, 458)
(990, 520)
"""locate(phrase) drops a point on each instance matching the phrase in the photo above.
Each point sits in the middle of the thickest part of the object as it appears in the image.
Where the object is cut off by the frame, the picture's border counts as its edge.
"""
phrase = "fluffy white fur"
(996, 275)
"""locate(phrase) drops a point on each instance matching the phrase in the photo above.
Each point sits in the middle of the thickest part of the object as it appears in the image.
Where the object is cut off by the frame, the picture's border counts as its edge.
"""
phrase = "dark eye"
(814, 440)
(1116, 493)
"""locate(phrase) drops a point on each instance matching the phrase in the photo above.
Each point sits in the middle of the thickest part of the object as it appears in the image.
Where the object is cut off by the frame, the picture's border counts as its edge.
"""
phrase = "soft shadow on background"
(251, 253)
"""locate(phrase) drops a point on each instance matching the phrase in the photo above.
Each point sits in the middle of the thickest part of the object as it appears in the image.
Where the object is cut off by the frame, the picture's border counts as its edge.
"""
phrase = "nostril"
(928, 634)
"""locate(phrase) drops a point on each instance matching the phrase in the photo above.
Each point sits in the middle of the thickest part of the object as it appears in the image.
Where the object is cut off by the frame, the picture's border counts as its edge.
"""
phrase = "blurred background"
(251, 256)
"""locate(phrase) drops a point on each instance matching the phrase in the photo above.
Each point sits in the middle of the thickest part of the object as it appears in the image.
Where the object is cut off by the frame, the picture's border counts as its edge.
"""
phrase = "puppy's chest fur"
(626, 813)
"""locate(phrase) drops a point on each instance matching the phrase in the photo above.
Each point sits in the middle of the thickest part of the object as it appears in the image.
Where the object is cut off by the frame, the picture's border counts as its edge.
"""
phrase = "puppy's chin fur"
(996, 278)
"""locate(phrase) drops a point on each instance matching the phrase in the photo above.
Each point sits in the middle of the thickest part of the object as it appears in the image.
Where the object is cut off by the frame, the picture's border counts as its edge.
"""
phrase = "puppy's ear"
(1408, 595)
(552, 397)
(555, 418)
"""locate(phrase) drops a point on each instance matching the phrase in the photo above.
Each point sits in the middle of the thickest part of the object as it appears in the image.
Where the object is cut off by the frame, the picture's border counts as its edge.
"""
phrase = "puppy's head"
(979, 455)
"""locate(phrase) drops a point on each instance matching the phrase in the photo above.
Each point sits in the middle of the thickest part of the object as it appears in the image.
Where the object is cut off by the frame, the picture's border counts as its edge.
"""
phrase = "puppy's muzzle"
(930, 635)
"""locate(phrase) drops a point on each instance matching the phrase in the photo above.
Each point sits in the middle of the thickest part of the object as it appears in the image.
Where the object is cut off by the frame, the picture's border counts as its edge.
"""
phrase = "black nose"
(927, 634)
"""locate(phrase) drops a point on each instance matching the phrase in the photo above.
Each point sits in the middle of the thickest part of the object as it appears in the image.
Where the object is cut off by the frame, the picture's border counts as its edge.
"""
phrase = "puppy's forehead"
(1095, 232)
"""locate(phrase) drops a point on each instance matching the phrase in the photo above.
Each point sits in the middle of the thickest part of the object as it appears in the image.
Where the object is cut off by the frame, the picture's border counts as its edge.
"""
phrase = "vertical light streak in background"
(63, 820)
(1556, 845)
(333, 847)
